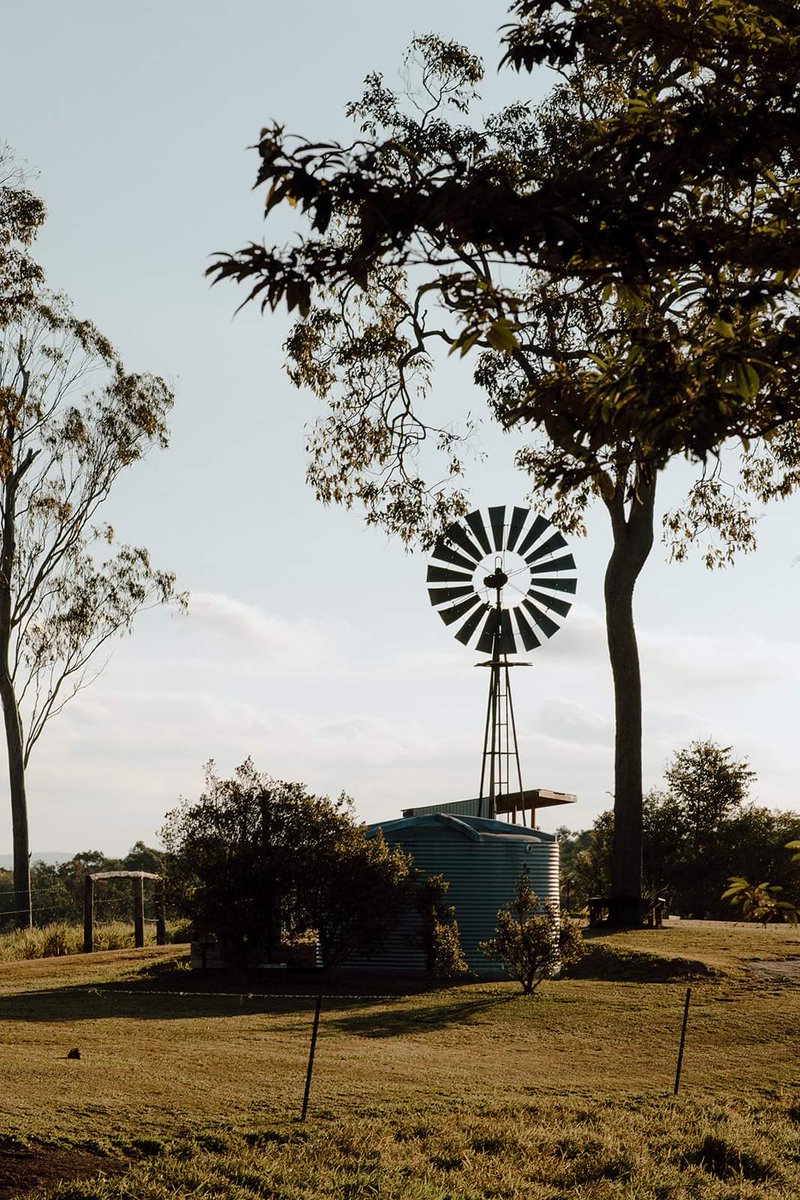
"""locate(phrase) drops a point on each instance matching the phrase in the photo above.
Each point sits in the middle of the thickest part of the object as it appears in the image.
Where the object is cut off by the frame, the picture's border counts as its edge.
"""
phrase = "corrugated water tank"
(481, 860)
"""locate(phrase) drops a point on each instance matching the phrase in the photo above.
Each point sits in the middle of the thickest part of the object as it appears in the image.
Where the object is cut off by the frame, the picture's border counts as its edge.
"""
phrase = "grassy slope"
(570, 1089)
(720, 945)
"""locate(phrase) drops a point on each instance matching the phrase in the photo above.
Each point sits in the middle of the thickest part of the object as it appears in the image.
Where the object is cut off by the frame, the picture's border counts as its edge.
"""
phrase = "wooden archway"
(137, 878)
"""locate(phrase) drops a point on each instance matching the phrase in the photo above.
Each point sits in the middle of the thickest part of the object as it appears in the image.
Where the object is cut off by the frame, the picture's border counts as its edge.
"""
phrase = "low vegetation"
(542, 1148)
(63, 937)
(255, 860)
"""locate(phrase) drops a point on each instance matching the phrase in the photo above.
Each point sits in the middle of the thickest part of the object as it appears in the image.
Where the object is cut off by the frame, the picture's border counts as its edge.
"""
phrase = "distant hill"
(45, 856)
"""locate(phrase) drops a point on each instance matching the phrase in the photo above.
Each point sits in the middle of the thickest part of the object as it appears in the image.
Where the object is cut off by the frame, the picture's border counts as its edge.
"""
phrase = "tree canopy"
(692, 176)
(21, 216)
(699, 829)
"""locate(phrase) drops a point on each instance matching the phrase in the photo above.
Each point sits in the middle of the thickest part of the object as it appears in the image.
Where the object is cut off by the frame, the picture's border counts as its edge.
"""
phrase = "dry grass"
(63, 937)
(461, 1092)
(721, 945)
(544, 1149)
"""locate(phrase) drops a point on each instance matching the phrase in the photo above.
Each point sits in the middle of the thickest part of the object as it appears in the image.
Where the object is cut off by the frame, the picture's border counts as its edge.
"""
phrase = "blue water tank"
(481, 860)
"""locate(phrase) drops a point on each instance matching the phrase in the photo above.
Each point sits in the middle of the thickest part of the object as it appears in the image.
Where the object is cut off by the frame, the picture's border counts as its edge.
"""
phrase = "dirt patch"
(781, 970)
(23, 1168)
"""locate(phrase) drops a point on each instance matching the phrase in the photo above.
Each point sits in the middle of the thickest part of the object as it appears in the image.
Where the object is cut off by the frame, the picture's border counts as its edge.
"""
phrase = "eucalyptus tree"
(71, 420)
(629, 301)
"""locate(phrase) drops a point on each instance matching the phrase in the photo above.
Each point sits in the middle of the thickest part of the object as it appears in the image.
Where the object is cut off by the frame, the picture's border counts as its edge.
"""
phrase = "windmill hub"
(497, 581)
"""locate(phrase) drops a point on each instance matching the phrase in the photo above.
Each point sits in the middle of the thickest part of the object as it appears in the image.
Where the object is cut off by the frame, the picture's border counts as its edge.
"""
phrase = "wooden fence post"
(138, 911)
(161, 922)
(88, 914)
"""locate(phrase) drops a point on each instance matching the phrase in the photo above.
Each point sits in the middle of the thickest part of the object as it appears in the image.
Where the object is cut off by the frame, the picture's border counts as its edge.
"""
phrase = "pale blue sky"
(310, 644)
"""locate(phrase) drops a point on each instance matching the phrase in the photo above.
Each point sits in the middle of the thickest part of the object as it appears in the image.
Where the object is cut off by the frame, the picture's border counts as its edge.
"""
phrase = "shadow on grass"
(399, 1022)
(164, 992)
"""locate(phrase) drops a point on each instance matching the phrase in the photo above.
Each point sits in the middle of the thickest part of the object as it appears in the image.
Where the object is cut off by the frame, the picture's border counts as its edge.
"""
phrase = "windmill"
(502, 579)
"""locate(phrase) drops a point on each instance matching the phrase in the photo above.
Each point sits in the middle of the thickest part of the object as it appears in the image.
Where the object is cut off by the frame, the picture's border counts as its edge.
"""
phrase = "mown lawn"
(457, 1092)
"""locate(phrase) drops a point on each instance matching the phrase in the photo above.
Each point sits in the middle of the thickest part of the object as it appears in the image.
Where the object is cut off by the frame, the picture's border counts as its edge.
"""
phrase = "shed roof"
(473, 829)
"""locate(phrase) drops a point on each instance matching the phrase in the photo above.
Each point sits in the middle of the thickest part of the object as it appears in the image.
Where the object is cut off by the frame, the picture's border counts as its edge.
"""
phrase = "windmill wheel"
(508, 555)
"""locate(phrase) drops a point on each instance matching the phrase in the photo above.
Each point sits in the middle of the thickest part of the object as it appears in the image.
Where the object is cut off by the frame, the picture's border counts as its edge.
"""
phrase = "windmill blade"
(559, 585)
(508, 644)
(518, 519)
(545, 623)
(447, 575)
(446, 553)
(459, 536)
(447, 594)
(449, 615)
(471, 624)
(497, 519)
(562, 607)
(540, 525)
(556, 542)
(489, 640)
(529, 639)
(485, 643)
(476, 524)
(567, 563)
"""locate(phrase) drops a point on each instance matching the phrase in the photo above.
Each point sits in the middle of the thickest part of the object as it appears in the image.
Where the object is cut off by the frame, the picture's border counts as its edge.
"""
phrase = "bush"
(531, 941)
(256, 860)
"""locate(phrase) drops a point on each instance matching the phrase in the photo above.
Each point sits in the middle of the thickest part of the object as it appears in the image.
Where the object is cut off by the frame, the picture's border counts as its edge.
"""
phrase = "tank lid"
(473, 829)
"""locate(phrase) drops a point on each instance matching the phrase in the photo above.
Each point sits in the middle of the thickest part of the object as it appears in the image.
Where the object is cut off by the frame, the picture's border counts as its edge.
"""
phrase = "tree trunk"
(8, 698)
(19, 802)
(633, 541)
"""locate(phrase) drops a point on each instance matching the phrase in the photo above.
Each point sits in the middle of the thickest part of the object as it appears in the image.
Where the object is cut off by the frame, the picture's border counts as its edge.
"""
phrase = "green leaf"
(500, 336)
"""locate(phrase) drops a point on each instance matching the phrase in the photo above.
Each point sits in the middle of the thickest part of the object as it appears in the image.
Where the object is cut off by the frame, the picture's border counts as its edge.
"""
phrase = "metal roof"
(532, 798)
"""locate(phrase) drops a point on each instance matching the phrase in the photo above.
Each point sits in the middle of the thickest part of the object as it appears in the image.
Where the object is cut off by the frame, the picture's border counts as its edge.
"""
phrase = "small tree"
(441, 943)
(531, 940)
(255, 857)
(760, 901)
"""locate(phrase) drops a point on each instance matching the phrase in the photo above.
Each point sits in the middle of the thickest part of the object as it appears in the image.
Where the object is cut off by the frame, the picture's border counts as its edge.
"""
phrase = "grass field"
(469, 1091)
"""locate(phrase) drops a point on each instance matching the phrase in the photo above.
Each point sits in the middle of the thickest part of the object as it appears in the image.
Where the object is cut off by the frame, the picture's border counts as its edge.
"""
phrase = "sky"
(310, 644)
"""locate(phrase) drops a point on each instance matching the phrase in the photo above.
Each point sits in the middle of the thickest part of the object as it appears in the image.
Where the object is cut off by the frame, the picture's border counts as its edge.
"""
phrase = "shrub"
(440, 938)
(531, 941)
(760, 901)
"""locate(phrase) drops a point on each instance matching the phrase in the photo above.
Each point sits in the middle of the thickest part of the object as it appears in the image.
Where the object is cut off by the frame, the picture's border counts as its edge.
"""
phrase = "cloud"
(248, 632)
(582, 638)
(719, 660)
(568, 721)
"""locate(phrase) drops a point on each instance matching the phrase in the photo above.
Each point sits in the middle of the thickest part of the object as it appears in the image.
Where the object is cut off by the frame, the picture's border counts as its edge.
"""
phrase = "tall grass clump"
(62, 937)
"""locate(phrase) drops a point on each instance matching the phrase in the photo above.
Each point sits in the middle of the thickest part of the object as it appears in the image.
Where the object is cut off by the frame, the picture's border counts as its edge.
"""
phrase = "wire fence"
(391, 1033)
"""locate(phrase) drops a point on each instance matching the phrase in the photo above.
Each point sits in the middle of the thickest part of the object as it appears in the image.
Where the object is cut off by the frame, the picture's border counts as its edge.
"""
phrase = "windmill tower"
(502, 580)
